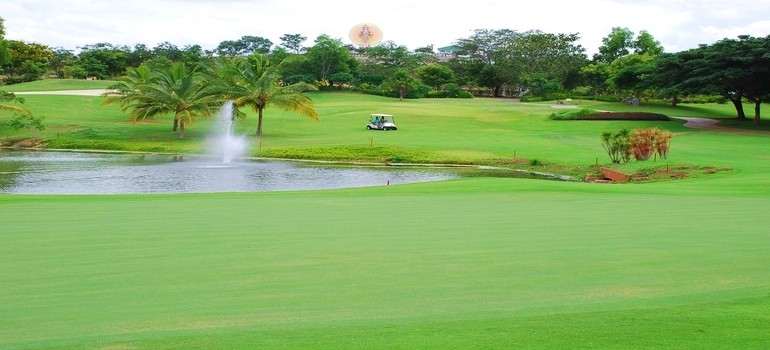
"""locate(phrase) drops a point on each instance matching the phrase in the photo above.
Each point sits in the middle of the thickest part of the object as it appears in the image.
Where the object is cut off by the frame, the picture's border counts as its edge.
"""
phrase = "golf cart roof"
(381, 115)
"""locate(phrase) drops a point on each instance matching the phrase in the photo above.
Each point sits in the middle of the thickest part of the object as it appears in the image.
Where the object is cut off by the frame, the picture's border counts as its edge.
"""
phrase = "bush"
(419, 91)
(662, 141)
(371, 79)
(531, 99)
(300, 78)
(572, 114)
(617, 145)
(642, 141)
(437, 94)
(465, 94)
(448, 94)
(27, 121)
(645, 142)
(702, 99)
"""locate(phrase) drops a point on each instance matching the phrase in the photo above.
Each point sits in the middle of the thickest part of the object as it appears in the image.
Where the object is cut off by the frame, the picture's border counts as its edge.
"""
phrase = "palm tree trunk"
(176, 124)
(181, 129)
(259, 122)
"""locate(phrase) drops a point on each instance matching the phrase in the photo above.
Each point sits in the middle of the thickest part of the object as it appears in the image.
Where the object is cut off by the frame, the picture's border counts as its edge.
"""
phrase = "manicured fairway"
(475, 263)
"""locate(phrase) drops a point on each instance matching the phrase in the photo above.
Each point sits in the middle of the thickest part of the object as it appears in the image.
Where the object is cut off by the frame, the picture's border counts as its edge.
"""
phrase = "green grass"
(58, 84)
(478, 131)
(484, 263)
(465, 263)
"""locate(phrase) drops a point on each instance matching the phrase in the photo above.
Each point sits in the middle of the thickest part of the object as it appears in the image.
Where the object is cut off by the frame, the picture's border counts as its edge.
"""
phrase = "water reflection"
(98, 173)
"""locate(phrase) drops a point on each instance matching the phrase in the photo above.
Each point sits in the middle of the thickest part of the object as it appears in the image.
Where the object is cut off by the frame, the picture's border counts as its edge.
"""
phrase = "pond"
(26, 172)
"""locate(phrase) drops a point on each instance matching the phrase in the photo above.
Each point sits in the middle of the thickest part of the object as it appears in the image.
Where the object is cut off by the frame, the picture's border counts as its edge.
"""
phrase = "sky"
(677, 24)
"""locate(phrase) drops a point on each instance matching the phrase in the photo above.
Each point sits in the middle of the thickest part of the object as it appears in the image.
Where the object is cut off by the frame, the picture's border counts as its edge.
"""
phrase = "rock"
(613, 175)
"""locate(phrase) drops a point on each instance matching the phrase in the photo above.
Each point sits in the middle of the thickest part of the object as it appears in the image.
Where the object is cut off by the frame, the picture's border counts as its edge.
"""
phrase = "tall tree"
(392, 56)
(628, 73)
(543, 58)
(175, 90)
(329, 56)
(254, 82)
(596, 76)
(669, 73)
(193, 55)
(646, 44)
(435, 75)
(617, 44)
(61, 58)
(402, 82)
(293, 42)
(5, 53)
(104, 60)
(734, 69)
(483, 52)
(139, 55)
(750, 66)
(244, 46)
(28, 60)
(168, 50)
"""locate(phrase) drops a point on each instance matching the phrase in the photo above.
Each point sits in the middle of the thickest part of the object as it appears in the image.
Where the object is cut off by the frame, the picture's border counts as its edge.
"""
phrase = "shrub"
(372, 79)
(531, 99)
(300, 78)
(449, 94)
(662, 142)
(27, 121)
(572, 114)
(437, 94)
(419, 91)
(617, 145)
(465, 94)
(642, 143)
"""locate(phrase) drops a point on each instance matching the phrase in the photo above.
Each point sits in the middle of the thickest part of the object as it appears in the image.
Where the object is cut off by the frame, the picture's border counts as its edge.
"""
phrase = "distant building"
(447, 52)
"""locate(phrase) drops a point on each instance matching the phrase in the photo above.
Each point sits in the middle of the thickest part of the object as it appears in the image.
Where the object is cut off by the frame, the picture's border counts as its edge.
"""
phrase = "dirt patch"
(24, 143)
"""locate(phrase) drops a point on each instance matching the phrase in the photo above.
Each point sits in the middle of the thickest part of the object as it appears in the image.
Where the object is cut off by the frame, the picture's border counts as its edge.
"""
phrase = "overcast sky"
(677, 24)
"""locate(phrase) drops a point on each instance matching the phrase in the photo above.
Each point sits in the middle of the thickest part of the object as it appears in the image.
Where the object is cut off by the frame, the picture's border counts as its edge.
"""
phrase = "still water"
(99, 173)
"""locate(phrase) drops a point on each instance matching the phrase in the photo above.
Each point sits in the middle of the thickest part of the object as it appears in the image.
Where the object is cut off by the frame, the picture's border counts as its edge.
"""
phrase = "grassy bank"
(478, 131)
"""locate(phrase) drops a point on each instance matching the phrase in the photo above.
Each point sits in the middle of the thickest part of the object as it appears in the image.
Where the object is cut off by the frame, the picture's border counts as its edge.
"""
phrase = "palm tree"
(127, 89)
(6, 98)
(175, 89)
(254, 82)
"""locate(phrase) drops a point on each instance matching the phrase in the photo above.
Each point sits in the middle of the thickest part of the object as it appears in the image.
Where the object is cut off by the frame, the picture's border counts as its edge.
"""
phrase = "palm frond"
(6, 98)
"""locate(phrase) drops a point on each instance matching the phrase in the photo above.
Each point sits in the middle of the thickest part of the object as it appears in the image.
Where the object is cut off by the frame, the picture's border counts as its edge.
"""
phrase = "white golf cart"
(378, 121)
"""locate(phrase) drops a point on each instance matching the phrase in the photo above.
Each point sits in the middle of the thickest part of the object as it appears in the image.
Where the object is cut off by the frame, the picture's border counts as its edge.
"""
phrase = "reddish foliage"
(642, 141)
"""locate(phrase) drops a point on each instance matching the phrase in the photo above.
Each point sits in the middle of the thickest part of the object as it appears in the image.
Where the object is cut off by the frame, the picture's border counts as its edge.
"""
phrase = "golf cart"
(379, 121)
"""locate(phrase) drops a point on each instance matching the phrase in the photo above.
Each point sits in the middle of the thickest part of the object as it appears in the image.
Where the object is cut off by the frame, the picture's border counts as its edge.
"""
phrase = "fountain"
(224, 144)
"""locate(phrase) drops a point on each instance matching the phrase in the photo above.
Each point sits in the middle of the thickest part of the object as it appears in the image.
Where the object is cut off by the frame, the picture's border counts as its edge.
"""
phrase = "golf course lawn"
(477, 263)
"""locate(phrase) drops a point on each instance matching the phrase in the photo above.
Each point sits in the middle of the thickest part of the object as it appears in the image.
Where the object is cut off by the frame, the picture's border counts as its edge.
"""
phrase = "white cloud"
(677, 24)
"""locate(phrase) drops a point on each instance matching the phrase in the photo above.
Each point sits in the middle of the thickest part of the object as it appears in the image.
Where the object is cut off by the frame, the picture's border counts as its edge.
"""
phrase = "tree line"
(490, 62)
